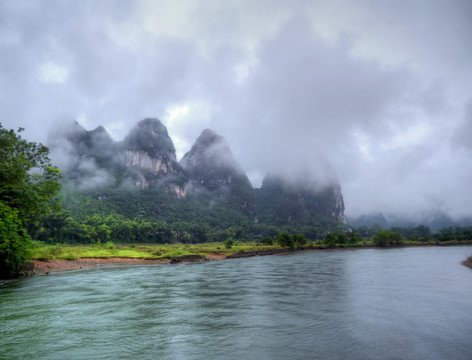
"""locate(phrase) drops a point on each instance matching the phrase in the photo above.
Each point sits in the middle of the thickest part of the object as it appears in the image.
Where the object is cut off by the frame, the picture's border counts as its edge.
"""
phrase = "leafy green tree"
(353, 237)
(28, 187)
(229, 242)
(285, 240)
(103, 233)
(90, 233)
(29, 181)
(266, 241)
(299, 240)
(330, 240)
(386, 238)
(14, 242)
(341, 238)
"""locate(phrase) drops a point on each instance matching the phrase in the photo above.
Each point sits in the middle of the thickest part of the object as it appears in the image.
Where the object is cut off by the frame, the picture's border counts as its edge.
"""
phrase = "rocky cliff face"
(213, 171)
(282, 201)
(150, 157)
(146, 158)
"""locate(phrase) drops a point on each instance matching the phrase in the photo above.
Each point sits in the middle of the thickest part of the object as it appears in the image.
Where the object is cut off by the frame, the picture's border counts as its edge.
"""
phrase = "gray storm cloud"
(379, 90)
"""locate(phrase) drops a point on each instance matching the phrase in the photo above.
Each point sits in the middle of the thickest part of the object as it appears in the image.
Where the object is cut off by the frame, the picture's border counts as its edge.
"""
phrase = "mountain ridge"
(208, 172)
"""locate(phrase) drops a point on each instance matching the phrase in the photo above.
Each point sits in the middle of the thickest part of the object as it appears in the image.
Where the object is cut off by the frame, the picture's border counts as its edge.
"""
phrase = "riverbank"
(468, 262)
(46, 267)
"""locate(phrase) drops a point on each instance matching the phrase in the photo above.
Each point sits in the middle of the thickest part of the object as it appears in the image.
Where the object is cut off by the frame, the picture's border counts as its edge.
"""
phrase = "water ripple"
(364, 304)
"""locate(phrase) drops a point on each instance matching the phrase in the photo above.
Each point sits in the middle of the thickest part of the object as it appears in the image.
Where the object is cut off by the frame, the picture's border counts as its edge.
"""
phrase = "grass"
(165, 251)
(45, 252)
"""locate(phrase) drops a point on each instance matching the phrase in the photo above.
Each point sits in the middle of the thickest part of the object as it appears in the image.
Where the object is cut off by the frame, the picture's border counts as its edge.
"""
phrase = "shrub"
(266, 241)
(229, 243)
(386, 238)
(300, 240)
(330, 240)
(109, 245)
(285, 240)
(71, 256)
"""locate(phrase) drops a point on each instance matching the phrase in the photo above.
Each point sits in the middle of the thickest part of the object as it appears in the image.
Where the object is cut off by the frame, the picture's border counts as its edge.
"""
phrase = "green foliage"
(109, 245)
(353, 238)
(229, 243)
(14, 242)
(330, 240)
(285, 240)
(29, 181)
(28, 185)
(453, 233)
(342, 239)
(386, 238)
(266, 241)
(299, 240)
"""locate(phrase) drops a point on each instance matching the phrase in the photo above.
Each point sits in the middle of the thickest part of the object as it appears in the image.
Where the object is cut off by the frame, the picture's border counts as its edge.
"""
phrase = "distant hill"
(435, 220)
(140, 177)
(214, 173)
(281, 202)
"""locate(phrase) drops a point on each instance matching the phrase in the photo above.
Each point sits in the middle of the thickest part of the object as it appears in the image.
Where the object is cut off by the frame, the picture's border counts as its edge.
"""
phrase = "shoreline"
(468, 262)
(38, 267)
(52, 266)
(46, 267)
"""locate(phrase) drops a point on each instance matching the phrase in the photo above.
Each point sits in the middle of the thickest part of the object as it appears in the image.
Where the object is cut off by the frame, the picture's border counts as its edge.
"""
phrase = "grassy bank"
(168, 251)
(164, 251)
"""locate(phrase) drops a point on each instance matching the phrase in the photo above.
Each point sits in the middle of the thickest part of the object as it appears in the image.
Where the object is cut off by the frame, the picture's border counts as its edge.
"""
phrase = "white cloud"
(408, 136)
(185, 120)
(378, 88)
(51, 72)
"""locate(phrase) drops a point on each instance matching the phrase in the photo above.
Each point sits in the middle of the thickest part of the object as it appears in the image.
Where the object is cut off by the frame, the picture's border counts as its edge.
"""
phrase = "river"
(406, 303)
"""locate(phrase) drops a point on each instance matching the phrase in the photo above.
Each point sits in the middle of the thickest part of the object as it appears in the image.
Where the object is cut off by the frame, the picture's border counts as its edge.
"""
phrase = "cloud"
(380, 90)
(463, 133)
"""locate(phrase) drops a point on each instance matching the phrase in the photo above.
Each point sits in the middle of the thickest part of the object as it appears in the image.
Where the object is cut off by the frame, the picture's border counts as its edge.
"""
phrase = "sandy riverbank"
(45, 267)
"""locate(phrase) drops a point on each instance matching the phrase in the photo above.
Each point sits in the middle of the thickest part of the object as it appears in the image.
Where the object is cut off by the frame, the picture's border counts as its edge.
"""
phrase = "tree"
(28, 187)
(285, 240)
(330, 240)
(299, 239)
(229, 242)
(29, 181)
(353, 237)
(386, 238)
(14, 242)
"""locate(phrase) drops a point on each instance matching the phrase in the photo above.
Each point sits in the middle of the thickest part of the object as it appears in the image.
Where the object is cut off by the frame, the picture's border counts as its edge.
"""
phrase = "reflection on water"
(361, 304)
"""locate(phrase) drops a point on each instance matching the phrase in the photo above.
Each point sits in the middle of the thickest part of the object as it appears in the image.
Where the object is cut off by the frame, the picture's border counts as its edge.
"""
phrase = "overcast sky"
(380, 89)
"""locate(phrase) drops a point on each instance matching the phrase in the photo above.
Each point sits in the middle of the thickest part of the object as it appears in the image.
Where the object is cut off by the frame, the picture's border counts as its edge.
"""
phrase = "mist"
(379, 91)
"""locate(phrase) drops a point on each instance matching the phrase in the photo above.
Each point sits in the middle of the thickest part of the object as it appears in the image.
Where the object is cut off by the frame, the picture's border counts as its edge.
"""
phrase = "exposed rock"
(27, 269)
(150, 155)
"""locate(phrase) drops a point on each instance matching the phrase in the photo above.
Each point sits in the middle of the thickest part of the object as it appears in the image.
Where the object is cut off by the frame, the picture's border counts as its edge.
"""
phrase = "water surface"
(410, 303)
